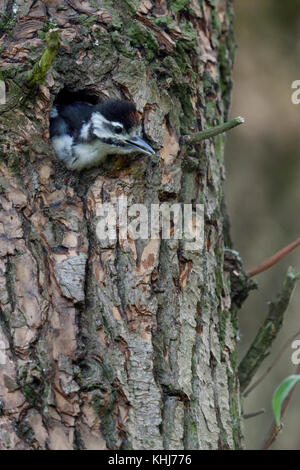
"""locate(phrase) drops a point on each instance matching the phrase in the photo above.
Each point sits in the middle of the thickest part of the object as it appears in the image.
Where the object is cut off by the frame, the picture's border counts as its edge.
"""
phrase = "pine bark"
(127, 345)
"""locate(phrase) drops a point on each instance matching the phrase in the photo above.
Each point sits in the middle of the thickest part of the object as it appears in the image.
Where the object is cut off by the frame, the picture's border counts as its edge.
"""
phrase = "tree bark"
(128, 344)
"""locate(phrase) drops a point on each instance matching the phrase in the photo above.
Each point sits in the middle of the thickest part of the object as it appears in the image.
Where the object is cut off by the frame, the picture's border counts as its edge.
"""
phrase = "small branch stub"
(17, 92)
(197, 137)
(38, 73)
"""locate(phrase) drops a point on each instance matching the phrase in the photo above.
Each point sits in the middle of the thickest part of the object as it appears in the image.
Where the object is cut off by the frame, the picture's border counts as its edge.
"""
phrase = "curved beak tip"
(140, 145)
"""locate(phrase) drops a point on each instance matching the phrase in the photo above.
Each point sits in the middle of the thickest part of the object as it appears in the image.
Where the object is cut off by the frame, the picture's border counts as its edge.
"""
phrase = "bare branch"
(274, 259)
(264, 375)
(255, 414)
(261, 345)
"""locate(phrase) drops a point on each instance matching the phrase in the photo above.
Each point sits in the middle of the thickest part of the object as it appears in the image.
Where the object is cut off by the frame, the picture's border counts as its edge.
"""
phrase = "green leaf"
(281, 393)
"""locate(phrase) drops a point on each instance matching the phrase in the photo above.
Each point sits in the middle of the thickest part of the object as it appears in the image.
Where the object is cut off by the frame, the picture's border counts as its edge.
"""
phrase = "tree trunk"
(128, 344)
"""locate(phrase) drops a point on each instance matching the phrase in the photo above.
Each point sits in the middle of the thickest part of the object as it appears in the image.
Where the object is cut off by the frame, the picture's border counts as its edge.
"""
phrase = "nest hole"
(67, 96)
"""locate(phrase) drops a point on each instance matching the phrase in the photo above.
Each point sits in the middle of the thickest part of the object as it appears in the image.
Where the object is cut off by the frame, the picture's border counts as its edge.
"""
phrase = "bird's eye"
(118, 129)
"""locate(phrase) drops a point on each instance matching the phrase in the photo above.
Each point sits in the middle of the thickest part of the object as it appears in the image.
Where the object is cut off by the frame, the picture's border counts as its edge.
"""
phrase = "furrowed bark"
(130, 344)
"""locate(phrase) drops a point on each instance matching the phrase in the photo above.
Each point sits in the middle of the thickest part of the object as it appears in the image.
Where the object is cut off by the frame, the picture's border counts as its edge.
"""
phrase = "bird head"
(116, 124)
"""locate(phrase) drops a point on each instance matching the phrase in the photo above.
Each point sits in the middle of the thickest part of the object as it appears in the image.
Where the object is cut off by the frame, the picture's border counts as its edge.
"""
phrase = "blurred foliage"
(262, 186)
(285, 15)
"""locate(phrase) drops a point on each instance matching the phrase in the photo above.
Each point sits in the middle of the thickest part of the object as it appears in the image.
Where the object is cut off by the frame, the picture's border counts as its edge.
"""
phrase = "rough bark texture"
(125, 345)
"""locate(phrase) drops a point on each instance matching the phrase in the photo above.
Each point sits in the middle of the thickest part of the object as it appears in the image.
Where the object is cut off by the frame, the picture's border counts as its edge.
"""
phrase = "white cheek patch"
(84, 134)
(63, 146)
(99, 126)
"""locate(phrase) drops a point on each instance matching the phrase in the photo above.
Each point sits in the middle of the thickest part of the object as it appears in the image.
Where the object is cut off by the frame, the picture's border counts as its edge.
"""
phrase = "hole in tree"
(67, 96)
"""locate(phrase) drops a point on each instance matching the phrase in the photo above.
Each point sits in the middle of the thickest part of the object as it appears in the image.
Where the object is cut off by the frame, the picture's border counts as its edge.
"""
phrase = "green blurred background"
(262, 187)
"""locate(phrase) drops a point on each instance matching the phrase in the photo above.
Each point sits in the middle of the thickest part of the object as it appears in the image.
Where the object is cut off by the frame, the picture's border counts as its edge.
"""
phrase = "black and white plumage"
(83, 135)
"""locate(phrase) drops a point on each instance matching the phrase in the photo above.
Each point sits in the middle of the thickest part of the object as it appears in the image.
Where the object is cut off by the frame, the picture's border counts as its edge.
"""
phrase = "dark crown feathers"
(120, 111)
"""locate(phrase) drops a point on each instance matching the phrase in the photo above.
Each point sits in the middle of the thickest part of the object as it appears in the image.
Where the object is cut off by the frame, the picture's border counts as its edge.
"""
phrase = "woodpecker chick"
(83, 135)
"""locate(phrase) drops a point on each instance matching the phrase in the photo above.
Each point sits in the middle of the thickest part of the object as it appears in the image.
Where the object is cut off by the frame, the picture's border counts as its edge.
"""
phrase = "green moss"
(182, 86)
(121, 45)
(49, 24)
(184, 49)
(121, 12)
(40, 68)
(7, 24)
(61, 7)
(132, 5)
(140, 35)
(210, 111)
(85, 20)
(216, 29)
(29, 394)
(224, 315)
(226, 52)
(191, 430)
(234, 406)
(209, 85)
(189, 41)
(224, 66)
(94, 4)
(177, 5)
(41, 34)
(183, 92)
(117, 23)
(165, 21)
(213, 3)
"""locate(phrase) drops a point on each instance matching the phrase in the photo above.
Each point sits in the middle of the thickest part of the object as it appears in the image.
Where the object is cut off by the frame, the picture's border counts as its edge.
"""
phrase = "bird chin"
(134, 149)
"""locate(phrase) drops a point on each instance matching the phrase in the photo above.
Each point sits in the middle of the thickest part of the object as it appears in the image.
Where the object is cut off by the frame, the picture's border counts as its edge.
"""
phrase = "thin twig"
(268, 370)
(197, 137)
(275, 430)
(274, 259)
(253, 415)
(262, 343)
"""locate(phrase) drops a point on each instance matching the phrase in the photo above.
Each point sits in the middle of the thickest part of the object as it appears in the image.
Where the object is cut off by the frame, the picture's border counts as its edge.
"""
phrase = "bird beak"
(139, 144)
